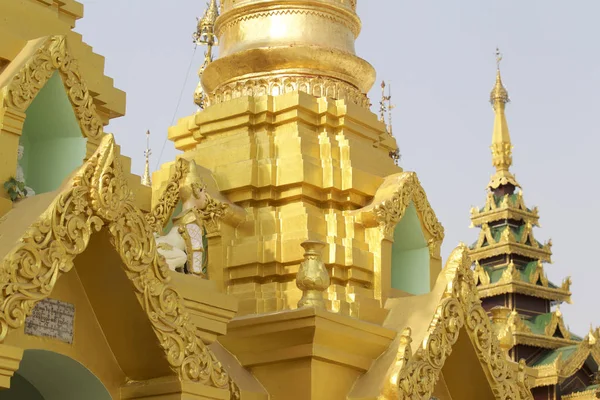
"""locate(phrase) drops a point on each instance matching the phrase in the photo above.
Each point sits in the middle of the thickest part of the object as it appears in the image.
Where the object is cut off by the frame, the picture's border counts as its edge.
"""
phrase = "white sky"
(439, 56)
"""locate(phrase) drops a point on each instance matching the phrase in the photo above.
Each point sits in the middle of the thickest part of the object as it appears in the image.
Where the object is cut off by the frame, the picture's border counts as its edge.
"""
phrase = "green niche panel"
(54, 145)
(53, 376)
(410, 255)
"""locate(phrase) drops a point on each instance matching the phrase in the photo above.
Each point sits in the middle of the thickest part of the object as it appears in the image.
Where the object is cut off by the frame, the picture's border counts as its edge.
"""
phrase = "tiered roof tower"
(509, 270)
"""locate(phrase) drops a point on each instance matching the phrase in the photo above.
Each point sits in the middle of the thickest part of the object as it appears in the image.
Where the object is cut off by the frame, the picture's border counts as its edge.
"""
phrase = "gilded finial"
(312, 278)
(205, 35)
(382, 103)
(205, 31)
(501, 143)
(147, 179)
(499, 94)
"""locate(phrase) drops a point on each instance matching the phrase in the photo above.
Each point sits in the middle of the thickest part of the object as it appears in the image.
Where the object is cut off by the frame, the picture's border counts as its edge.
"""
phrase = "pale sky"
(439, 56)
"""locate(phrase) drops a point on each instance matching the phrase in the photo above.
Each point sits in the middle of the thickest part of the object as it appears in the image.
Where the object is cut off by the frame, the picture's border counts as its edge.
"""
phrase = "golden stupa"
(282, 255)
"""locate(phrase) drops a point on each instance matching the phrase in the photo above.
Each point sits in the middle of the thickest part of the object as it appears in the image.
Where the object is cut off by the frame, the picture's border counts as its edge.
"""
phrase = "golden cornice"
(495, 289)
(498, 249)
(508, 209)
(51, 54)
(318, 86)
(531, 339)
(591, 394)
(97, 197)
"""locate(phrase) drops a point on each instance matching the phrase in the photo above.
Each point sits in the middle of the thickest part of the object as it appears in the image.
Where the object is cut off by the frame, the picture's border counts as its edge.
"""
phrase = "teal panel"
(410, 255)
(54, 145)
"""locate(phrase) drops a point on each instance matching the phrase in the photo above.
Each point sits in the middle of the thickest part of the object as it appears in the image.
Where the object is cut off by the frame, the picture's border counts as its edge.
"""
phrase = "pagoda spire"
(501, 143)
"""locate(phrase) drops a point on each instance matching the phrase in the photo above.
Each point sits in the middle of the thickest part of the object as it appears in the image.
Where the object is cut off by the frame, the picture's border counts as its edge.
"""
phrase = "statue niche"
(185, 245)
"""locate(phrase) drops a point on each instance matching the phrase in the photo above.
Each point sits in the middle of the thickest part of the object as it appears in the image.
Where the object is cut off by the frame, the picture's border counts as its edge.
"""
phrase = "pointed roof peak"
(501, 143)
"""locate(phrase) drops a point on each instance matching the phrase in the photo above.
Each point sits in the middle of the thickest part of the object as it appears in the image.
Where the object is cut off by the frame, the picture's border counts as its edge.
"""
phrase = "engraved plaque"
(51, 318)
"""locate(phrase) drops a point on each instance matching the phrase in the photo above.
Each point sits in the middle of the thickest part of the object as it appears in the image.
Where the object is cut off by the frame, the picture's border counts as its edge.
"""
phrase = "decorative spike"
(205, 35)
(147, 179)
(501, 143)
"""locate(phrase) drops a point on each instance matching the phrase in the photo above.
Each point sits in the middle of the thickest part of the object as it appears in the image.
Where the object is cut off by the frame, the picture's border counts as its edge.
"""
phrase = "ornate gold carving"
(539, 275)
(460, 307)
(97, 198)
(511, 273)
(434, 248)
(391, 389)
(557, 322)
(391, 211)
(162, 211)
(54, 55)
(480, 275)
(566, 285)
(212, 214)
(587, 348)
(516, 324)
(317, 86)
(312, 277)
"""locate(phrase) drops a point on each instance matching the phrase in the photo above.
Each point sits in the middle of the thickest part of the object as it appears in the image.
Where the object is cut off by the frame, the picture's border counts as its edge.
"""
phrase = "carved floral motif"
(54, 55)
(316, 86)
(168, 200)
(391, 211)
(98, 198)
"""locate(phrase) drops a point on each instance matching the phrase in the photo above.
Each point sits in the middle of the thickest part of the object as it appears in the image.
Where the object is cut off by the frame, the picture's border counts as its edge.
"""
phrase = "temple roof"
(558, 364)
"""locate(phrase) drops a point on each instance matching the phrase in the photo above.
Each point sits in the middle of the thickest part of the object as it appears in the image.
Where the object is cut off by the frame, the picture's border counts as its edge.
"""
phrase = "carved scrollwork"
(54, 55)
(459, 308)
(167, 202)
(212, 214)
(391, 211)
(99, 197)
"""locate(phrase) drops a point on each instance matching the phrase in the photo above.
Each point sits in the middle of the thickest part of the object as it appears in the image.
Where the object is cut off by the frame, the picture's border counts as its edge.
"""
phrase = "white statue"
(183, 247)
(20, 176)
(172, 247)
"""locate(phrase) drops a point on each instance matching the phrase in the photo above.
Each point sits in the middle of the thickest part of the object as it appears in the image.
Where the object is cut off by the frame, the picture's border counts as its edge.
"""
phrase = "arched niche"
(411, 259)
(51, 137)
(46, 375)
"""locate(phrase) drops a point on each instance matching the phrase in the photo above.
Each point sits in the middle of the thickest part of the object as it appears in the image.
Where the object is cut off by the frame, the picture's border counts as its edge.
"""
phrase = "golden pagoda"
(514, 288)
(282, 255)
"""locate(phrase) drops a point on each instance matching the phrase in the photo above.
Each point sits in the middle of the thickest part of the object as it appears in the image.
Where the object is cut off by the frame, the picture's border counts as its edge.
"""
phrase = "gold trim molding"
(235, 16)
(318, 86)
(97, 197)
